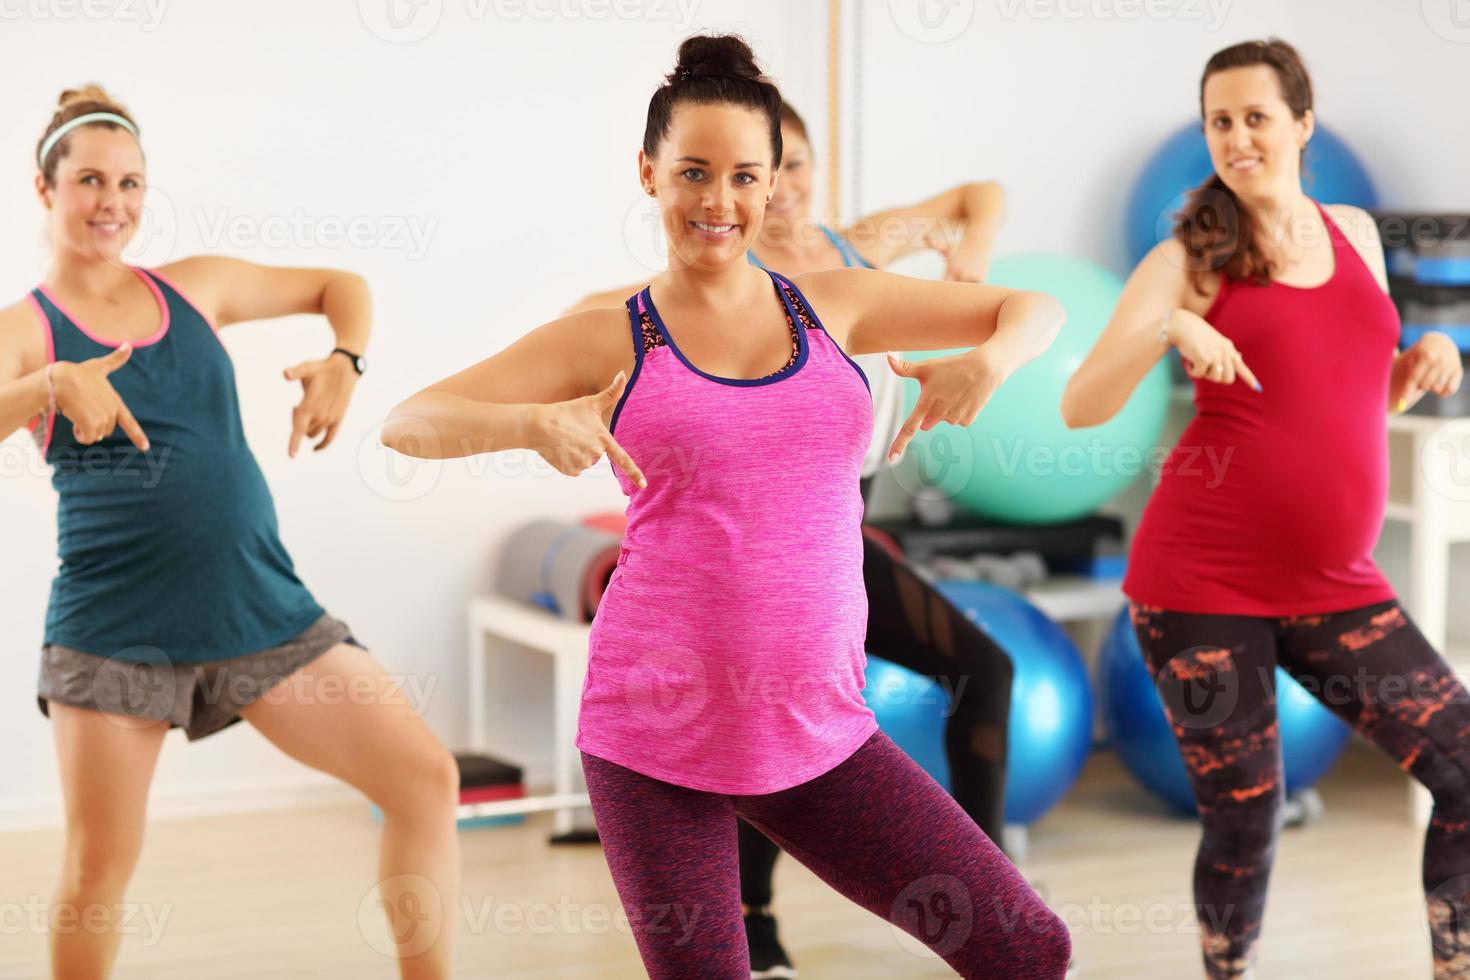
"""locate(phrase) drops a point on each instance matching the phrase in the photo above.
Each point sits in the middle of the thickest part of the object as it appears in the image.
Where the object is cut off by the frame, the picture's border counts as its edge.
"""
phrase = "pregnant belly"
(202, 510)
(1319, 506)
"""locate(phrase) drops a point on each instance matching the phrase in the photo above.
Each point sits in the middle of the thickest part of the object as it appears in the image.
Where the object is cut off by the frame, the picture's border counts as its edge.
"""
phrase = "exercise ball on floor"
(1050, 727)
(1331, 173)
(1018, 461)
(1312, 737)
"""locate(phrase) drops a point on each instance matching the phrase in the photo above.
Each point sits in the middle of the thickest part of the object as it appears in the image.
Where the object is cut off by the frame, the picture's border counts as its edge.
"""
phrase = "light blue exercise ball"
(1312, 737)
(1018, 462)
(1331, 173)
(1050, 727)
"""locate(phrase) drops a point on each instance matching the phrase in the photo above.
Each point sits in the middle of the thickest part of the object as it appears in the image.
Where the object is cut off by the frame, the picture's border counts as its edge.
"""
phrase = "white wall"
(509, 141)
(1064, 100)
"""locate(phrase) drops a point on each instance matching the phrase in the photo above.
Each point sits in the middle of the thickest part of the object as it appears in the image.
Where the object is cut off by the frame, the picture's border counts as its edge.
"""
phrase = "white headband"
(82, 120)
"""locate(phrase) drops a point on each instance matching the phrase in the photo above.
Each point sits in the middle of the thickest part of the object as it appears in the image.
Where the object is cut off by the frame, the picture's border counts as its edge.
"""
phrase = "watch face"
(361, 363)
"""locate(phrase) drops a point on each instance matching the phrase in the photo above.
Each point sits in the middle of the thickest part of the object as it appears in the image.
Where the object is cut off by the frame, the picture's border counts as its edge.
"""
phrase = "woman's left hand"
(327, 388)
(962, 262)
(951, 389)
(1434, 364)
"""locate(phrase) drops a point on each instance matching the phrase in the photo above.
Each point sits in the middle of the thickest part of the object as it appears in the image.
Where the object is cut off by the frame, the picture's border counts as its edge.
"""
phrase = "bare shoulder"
(200, 279)
(1361, 230)
(197, 270)
(838, 295)
(1360, 227)
(1165, 272)
(601, 340)
(1351, 214)
(22, 337)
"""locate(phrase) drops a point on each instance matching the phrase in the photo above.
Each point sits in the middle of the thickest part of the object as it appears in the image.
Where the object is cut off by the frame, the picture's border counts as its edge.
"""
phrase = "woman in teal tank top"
(175, 604)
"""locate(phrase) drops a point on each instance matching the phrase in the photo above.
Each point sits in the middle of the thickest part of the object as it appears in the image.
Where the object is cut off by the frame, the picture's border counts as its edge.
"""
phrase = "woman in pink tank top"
(1256, 547)
(726, 659)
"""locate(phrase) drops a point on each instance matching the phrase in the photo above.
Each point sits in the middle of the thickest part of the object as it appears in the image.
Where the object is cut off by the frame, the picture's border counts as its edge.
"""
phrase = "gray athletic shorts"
(201, 698)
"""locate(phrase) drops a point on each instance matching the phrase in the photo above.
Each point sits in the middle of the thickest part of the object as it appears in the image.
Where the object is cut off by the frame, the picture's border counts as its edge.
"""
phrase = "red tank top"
(1272, 501)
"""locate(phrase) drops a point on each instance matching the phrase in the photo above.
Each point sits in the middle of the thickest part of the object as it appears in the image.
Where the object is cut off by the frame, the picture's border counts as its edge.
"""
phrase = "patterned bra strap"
(648, 334)
(803, 312)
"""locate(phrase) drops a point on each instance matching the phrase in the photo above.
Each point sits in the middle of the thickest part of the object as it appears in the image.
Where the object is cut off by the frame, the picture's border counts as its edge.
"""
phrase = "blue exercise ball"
(1331, 173)
(1050, 728)
(1312, 737)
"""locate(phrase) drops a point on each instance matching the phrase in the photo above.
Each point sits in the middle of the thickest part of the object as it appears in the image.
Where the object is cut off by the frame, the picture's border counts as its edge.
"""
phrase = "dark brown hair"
(1217, 231)
(76, 102)
(714, 70)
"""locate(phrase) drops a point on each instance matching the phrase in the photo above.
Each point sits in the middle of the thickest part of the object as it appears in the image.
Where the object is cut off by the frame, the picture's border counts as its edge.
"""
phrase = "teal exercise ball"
(1018, 462)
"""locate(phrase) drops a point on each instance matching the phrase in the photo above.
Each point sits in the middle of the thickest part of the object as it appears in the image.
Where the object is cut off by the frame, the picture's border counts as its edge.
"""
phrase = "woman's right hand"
(90, 403)
(572, 437)
(1208, 353)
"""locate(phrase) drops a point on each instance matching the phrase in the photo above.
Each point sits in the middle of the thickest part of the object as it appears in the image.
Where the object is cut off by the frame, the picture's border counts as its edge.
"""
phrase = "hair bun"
(718, 54)
(91, 92)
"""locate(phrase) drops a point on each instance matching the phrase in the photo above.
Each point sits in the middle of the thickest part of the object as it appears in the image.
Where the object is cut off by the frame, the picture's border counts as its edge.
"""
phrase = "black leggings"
(1373, 668)
(912, 624)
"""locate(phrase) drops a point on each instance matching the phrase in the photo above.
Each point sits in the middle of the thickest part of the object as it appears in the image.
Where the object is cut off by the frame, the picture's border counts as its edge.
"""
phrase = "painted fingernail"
(1257, 386)
(1403, 404)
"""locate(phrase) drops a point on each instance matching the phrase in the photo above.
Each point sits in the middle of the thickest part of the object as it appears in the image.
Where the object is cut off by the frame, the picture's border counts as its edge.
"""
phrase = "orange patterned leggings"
(1374, 669)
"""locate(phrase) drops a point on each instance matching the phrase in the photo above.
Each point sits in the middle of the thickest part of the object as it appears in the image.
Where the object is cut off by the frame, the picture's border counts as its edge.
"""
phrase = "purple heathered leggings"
(877, 828)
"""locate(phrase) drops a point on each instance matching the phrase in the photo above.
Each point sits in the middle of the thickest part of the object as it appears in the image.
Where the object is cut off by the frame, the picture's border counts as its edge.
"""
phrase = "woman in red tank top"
(1256, 547)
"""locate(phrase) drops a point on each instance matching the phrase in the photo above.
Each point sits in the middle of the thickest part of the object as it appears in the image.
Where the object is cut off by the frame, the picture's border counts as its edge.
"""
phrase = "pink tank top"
(1271, 502)
(727, 653)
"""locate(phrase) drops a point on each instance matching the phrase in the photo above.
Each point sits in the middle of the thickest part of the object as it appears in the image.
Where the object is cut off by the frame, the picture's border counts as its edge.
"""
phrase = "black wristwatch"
(359, 363)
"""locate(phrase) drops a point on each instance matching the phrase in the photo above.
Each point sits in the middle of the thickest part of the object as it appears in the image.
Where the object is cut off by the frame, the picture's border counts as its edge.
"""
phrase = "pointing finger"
(619, 456)
(906, 433)
(130, 426)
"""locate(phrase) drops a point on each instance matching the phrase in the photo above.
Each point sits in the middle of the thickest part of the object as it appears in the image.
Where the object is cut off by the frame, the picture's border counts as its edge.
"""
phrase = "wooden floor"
(278, 895)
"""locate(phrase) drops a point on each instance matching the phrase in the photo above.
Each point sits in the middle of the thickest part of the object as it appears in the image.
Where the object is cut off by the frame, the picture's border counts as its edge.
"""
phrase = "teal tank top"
(172, 554)
(850, 257)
